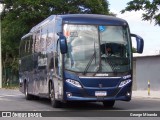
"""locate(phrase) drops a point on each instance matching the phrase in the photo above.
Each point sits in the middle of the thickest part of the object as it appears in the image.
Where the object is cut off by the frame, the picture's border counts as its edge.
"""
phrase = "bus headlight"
(75, 83)
(125, 82)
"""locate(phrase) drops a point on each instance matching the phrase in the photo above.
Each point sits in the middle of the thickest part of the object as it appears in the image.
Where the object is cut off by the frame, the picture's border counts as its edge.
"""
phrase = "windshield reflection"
(97, 48)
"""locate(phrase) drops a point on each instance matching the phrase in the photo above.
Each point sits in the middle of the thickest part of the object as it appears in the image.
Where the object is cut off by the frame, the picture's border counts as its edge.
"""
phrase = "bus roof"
(47, 20)
(92, 19)
(83, 19)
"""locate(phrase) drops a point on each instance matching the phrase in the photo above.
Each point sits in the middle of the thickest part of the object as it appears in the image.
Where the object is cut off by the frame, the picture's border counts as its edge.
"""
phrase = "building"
(146, 68)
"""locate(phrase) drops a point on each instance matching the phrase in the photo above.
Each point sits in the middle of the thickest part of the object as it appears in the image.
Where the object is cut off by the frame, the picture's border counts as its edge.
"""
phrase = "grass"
(10, 86)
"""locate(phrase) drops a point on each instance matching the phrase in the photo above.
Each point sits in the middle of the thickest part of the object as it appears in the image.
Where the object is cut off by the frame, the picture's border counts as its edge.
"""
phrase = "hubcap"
(52, 95)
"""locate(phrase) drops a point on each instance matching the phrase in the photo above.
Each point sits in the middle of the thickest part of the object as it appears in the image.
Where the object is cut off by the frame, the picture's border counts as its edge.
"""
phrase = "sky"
(1, 7)
(146, 29)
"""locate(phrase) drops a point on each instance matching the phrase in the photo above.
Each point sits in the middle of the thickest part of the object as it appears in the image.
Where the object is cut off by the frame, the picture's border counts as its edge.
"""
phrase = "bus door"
(58, 79)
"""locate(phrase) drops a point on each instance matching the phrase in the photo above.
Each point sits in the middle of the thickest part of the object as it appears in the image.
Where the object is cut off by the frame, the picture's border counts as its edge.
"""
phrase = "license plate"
(100, 93)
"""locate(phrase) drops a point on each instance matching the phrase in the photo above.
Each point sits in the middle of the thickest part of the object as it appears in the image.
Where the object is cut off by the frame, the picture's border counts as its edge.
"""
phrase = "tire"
(54, 103)
(109, 104)
(27, 96)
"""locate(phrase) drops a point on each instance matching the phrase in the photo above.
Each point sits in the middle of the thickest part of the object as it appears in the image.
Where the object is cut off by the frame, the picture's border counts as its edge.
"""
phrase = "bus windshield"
(93, 48)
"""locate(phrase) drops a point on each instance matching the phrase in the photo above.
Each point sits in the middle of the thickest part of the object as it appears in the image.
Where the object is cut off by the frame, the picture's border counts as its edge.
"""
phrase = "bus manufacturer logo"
(100, 85)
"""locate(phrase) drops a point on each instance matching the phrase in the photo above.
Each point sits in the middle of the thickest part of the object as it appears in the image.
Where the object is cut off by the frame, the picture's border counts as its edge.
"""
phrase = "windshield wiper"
(112, 66)
(90, 61)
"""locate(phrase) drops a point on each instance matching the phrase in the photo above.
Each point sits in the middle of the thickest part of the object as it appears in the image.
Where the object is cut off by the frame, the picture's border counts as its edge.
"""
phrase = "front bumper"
(88, 93)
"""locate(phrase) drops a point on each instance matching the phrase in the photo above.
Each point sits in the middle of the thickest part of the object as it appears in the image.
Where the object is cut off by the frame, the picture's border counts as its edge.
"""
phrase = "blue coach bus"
(78, 57)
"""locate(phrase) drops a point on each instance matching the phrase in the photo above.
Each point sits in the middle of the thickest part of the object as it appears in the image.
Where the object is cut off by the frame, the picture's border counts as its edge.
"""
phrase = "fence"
(9, 78)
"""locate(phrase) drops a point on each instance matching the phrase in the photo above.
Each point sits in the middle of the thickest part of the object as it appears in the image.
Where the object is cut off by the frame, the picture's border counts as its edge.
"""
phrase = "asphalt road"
(13, 100)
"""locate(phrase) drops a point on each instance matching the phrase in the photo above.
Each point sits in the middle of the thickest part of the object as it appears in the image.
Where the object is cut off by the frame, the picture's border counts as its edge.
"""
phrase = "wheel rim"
(52, 95)
(50, 89)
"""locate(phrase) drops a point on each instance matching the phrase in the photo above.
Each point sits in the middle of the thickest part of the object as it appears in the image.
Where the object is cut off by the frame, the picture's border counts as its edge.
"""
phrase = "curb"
(144, 94)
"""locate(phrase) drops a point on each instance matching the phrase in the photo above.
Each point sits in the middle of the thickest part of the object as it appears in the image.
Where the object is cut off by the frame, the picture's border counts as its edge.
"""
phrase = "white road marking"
(1, 96)
(4, 99)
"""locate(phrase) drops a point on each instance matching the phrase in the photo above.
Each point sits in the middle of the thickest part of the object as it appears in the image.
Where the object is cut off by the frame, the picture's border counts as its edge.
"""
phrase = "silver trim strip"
(101, 77)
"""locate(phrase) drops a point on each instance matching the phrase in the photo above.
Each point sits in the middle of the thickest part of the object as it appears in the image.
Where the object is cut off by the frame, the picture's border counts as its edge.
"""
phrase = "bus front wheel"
(54, 103)
(109, 104)
(27, 96)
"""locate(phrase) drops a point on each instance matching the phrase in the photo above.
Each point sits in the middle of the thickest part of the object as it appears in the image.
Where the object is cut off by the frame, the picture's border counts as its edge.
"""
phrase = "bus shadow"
(134, 104)
(87, 106)
(76, 106)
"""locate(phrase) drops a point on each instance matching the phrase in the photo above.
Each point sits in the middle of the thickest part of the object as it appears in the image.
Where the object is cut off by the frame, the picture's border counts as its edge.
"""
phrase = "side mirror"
(63, 44)
(140, 43)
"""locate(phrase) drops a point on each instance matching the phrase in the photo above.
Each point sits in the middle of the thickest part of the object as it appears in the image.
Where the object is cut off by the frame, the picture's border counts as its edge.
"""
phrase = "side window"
(31, 45)
(25, 47)
(37, 42)
(22, 50)
(57, 54)
(42, 57)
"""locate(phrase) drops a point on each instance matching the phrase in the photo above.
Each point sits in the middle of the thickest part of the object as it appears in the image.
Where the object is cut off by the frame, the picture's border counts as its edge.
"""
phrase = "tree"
(151, 9)
(19, 16)
(134, 50)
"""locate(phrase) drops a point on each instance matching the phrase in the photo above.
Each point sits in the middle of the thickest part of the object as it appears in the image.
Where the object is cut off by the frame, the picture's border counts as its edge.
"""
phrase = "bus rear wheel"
(54, 103)
(109, 104)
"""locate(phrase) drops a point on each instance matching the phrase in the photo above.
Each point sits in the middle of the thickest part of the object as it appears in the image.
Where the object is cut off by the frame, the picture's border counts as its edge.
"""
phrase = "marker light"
(69, 94)
(73, 82)
(125, 82)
